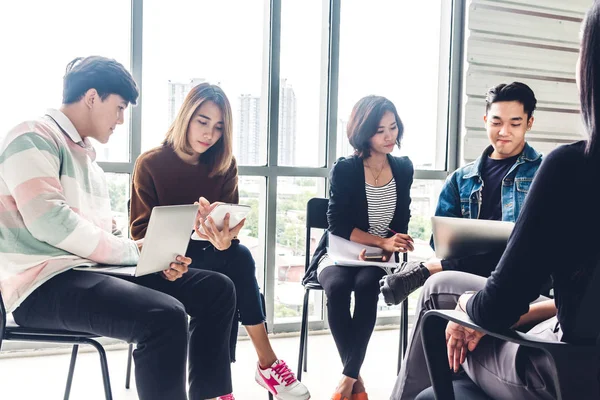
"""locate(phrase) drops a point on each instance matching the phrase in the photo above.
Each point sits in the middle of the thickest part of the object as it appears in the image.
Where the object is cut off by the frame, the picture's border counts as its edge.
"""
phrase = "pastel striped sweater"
(54, 207)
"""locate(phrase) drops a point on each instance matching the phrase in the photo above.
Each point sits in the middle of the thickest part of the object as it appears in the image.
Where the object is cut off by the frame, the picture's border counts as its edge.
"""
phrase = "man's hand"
(177, 269)
(221, 239)
(460, 339)
(139, 243)
(399, 242)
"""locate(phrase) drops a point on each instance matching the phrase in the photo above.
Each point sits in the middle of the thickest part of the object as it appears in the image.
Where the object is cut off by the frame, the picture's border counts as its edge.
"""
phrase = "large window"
(292, 196)
(303, 83)
(187, 42)
(292, 71)
(39, 38)
(398, 49)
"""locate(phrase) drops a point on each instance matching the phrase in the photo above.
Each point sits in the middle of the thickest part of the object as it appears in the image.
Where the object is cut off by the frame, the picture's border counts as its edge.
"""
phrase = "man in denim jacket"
(492, 187)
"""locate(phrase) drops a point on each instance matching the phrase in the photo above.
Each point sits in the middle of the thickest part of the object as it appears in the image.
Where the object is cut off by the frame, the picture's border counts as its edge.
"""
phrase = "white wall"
(532, 41)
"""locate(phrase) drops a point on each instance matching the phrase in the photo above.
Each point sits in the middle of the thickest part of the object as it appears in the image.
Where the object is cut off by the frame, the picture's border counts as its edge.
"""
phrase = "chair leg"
(403, 333)
(306, 351)
(303, 335)
(128, 373)
(71, 371)
(434, 344)
(103, 367)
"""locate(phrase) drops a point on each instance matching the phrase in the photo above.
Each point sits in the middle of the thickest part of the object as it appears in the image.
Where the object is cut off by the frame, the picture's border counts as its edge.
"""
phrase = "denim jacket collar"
(529, 154)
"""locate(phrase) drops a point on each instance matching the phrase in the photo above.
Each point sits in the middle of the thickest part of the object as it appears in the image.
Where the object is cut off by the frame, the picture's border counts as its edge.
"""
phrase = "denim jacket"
(461, 194)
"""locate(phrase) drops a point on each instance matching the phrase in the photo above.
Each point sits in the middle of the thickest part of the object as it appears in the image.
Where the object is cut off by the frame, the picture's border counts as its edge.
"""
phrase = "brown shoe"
(338, 396)
(360, 396)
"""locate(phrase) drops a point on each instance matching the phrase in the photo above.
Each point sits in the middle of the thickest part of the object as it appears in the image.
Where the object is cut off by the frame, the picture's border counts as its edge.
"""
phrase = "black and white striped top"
(381, 203)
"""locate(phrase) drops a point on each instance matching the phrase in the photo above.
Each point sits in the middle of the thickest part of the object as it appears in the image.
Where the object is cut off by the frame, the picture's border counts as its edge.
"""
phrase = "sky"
(387, 47)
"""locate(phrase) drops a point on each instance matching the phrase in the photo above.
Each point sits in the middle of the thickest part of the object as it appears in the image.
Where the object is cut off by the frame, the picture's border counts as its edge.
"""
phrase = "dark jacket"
(348, 208)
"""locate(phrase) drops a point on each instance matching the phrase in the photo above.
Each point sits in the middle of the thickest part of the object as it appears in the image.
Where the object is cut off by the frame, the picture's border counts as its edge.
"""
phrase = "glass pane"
(424, 194)
(118, 190)
(292, 196)
(253, 193)
(44, 37)
(304, 47)
(396, 54)
(187, 42)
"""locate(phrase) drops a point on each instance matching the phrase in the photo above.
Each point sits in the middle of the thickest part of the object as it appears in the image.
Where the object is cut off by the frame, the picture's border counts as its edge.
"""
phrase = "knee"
(441, 282)
(369, 288)
(225, 286)
(244, 262)
(337, 291)
(169, 317)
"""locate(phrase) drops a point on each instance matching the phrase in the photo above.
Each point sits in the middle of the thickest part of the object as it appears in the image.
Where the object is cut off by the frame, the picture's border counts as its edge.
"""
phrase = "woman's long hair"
(589, 79)
(220, 155)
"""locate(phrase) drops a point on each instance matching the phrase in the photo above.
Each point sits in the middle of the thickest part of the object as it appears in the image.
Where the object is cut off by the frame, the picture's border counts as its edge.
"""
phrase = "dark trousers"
(236, 263)
(351, 332)
(153, 313)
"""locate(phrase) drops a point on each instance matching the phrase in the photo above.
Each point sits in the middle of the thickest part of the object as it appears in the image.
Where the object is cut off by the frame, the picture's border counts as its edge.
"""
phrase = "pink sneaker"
(281, 382)
(226, 397)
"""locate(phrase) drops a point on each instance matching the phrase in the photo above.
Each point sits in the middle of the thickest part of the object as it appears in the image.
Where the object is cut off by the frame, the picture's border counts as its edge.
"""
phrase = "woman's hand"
(221, 239)
(205, 208)
(460, 339)
(177, 269)
(399, 242)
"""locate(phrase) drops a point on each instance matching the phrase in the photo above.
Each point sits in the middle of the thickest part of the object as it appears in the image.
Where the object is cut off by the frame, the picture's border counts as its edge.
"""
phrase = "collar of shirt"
(69, 129)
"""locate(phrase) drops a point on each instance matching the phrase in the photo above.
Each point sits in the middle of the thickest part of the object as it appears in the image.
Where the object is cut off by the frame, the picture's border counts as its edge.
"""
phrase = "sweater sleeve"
(529, 259)
(339, 212)
(230, 192)
(30, 167)
(143, 198)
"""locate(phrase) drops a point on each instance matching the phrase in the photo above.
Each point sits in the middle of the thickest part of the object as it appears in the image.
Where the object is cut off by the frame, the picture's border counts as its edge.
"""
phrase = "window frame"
(451, 47)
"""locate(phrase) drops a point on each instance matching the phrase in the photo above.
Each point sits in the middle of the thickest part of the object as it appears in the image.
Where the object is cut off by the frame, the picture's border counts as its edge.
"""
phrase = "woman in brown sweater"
(195, 163)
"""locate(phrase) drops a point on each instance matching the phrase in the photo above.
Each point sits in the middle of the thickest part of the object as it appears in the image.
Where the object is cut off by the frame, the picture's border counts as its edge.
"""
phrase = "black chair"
(570, 383)
(316, 217)
(11, 331)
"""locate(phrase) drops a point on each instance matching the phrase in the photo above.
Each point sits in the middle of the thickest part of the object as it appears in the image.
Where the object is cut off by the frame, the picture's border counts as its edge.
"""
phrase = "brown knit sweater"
(161, 178)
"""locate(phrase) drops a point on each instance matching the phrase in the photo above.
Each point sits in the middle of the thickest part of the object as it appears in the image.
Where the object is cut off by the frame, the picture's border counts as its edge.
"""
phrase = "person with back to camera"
(501, 370)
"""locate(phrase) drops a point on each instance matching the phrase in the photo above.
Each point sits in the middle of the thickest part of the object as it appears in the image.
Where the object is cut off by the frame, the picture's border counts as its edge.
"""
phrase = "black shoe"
(408, 277)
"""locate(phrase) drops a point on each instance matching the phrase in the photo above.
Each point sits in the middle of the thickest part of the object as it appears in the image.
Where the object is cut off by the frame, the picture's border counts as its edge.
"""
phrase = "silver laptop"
(460, 237)
(167, 237)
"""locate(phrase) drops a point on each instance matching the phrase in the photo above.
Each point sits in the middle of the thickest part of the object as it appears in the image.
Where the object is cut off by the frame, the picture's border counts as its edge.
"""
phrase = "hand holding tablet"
(237, 213)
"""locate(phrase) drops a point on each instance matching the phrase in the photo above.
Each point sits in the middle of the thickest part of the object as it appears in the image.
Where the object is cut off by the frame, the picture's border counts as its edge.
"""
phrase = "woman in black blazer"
(369, 201)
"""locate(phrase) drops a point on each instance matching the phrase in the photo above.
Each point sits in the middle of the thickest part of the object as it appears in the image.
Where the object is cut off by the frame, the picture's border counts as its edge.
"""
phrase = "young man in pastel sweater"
(55, 214)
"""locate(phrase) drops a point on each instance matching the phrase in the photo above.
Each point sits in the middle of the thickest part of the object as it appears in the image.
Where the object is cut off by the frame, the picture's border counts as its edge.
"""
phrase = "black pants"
(153, 313)
(351, 332)
(238, 265)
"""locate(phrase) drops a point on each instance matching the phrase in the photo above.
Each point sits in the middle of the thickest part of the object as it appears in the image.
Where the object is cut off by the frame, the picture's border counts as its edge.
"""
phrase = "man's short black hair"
(515, 91)
(105, 75)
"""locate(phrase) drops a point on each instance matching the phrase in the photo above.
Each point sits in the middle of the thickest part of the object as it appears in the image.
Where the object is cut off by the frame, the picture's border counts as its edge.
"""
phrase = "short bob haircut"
(105, 75)
(220, 156)
(364, 123)
(589, 79)
(514, 91)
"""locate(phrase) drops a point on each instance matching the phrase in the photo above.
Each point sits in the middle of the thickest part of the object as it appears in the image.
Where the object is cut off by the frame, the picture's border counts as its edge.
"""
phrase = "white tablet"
(237, 212)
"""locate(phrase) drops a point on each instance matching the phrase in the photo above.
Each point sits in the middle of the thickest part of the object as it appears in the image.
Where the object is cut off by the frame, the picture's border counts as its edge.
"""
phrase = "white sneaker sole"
(265, 386)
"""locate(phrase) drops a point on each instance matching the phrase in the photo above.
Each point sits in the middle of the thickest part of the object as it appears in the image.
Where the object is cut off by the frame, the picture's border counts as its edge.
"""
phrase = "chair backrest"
(2, 319)
(316, 217)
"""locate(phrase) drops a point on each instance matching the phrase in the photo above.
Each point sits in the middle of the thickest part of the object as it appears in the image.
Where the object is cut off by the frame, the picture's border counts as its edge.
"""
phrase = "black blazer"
(348, 208)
